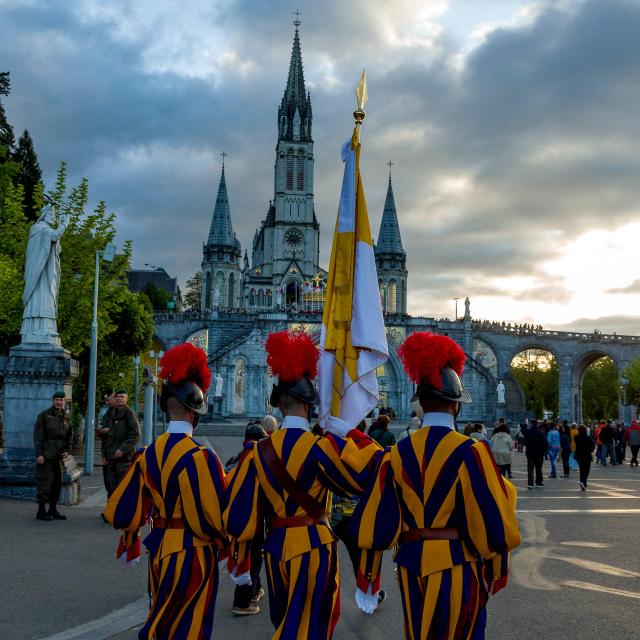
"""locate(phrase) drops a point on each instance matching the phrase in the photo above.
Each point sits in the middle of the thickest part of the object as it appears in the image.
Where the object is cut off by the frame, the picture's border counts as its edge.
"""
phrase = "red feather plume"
(185, 362)
(291, 356)
(425, 354)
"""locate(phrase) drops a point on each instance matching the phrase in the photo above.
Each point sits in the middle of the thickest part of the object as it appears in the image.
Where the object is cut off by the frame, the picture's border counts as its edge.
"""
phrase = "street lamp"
(156, 355)
(136, 384)
(624, 382)
(108, 254)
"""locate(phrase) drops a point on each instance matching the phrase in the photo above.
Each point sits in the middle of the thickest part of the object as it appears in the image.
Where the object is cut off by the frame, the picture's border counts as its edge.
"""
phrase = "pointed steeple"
(294, 113)
(389, 240)
(221, 231)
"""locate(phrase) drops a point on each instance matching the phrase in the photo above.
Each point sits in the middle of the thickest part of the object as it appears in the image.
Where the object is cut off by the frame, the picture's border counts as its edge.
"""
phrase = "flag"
(353, 339)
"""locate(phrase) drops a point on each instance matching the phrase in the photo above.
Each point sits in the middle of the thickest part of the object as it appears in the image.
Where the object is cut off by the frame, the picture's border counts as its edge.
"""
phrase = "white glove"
(242, 580)
(367, 602)
(337, 426)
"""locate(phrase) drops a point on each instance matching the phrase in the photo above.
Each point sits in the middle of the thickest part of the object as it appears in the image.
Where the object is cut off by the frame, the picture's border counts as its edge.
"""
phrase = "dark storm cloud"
(500, 159)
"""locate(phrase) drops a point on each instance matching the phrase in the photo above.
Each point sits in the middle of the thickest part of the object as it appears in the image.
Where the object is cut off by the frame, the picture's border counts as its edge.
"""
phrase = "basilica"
(281, 286)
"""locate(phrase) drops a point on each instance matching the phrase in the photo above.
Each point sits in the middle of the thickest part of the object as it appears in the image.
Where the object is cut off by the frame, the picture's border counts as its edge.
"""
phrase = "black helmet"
(301, 389)
(451, 389)
(188, 393)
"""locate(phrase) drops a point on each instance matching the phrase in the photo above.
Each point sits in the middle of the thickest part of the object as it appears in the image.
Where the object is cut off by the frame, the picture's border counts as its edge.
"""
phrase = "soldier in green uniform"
(52, 441)
(119, 441)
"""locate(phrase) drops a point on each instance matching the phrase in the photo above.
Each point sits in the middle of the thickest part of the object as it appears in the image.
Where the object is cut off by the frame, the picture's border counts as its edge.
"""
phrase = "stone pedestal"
(32, 374)
(217, 407)
(501, 410)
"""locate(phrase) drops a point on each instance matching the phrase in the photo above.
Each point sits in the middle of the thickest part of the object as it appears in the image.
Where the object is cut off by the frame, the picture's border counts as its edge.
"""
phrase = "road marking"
(602, 511)
(580, 543)
(596, 587)
(598, 567)
(107, 626)
(578, 497)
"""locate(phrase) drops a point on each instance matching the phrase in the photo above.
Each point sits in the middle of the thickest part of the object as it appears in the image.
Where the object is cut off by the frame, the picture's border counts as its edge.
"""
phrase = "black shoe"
(42, 514)
(381, 596)
(55, 514)
(583, 486)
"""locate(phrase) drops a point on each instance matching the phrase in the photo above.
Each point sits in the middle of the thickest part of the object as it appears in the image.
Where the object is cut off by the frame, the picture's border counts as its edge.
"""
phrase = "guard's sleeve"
(487, 505)
(242, 516)
(38, 435)
(128, 509)
(202, 490)
(69, 439)
(133, 434)
(349, 464)
(376, 524)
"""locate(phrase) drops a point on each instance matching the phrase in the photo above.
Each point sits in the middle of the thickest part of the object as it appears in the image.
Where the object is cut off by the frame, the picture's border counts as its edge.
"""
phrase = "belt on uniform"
(168, 523)
(413, 535)
(294, 521)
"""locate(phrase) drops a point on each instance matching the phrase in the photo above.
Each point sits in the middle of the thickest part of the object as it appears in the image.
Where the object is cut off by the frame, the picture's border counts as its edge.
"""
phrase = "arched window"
(207, 291)
(232, 291)
(252, 298)
(239, 385)
(300, 163)
(392, 297)
(290, 170)
(260, 298)
(269, 298)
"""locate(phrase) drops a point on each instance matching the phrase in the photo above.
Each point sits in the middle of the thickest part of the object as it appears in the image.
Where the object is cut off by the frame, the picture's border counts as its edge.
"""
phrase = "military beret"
(121, 391)
(59, 394)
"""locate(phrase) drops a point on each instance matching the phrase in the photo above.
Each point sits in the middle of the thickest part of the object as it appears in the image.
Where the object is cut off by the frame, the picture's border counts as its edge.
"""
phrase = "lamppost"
(157, 355)
(108, 254)
(624, 382)
(136, 385)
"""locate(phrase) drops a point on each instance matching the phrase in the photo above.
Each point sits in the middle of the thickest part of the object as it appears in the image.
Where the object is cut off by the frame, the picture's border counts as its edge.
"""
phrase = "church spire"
(221, 231)
(294, 114)
(389, 240)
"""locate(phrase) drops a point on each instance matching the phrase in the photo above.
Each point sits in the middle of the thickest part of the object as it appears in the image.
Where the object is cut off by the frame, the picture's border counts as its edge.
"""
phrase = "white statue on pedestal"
(219, 383)
(501, 391)
(42, 279)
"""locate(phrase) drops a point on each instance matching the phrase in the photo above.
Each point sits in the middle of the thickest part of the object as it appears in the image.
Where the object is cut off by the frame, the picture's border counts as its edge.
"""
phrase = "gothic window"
(239, 385)
(300, 163)
(207, 291)
(269, 298)
(260, 298)
(392, 297)
(290, 171)
(294, 238)
(252, 298)
(232, 293)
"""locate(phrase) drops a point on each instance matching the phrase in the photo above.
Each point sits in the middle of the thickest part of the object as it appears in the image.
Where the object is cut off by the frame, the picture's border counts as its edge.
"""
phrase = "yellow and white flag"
(353, 339)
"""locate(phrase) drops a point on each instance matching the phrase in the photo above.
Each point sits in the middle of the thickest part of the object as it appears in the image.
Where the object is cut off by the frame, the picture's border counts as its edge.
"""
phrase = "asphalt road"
(576, 575)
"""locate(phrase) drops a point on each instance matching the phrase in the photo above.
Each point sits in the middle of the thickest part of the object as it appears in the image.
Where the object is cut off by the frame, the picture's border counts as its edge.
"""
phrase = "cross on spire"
(297, 13)
(224, 155)
(390, 164)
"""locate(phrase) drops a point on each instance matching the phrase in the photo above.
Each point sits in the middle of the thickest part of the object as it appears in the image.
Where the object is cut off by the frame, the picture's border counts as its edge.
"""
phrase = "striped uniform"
(436, 479)
(301, 561)
(175, 478)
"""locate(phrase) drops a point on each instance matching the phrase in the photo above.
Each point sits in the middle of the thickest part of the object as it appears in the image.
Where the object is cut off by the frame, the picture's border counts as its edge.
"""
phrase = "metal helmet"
(301, 389)
(188, 393)
(451, 388)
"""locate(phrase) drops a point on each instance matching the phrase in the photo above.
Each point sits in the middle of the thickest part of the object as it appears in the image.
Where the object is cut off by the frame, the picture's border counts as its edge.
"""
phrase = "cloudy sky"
(513, 126)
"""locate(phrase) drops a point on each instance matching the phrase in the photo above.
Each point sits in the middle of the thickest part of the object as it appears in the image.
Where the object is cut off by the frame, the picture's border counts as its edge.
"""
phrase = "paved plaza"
(576, 575)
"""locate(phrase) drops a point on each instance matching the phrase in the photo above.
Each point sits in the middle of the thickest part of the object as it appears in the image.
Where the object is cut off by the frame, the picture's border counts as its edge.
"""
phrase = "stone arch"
(578, 370)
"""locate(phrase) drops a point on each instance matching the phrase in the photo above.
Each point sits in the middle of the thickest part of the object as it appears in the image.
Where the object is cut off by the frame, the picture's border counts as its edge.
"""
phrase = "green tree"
(536, 371)
(7, 137)
(193, 292)
(30, 175)
(600, 386)
(158, 298)
(632, 374)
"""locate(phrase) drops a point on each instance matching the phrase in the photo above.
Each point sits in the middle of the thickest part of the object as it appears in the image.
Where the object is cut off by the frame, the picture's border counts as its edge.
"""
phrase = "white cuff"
(337, 426)
(367, 602)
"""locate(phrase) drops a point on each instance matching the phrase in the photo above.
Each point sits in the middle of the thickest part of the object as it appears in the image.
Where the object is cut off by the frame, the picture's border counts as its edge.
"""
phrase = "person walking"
(553, 442)
(381, 433)
(633, 438)
(52, 442)
(289, 476)
(584, 449)
(573, 463)
(565, 449)
(179, 487)
(439, 496)
(535, 448)
(502, 448)
(269, 424)
(607, 439)
(120, 433)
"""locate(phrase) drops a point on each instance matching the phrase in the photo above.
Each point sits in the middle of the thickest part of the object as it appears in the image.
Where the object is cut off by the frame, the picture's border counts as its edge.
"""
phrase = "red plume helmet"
(435, 363)
(185, 362)
(292, 355)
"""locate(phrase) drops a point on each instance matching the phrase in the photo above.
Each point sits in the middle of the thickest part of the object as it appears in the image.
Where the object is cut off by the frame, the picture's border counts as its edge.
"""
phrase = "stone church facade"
(282, 287)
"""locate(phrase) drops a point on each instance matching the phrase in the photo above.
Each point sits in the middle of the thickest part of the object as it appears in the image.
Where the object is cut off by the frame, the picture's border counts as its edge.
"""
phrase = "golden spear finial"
(361, 97)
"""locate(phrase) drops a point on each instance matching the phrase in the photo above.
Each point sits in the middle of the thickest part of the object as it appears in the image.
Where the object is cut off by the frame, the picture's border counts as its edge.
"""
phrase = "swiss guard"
(285, 481)
(441, 499)
(178, 487)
